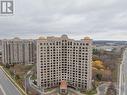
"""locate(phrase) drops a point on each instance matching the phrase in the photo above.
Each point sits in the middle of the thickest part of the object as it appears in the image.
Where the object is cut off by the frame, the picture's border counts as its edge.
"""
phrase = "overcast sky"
(99, 19)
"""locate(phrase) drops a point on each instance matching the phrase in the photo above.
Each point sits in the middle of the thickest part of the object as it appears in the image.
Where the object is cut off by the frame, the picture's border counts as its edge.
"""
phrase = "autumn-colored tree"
(98, 64)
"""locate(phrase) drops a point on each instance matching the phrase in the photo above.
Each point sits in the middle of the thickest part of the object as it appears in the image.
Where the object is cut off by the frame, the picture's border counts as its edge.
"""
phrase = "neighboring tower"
(18, 51)
(63, 59)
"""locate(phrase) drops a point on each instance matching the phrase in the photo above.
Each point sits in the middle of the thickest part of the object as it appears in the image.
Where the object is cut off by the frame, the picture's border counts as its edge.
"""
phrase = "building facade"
(61, 58)
(18, 51)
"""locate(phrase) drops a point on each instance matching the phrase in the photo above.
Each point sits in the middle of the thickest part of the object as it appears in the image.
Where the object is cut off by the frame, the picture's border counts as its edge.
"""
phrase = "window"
(87, 44)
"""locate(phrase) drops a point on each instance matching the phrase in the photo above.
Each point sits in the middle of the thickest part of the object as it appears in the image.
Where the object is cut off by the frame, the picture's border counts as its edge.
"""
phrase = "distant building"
(63, 59)
(18, 51)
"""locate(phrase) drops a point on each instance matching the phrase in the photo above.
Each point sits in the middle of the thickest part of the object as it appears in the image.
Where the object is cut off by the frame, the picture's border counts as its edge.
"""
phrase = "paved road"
(102, 89)
(1, 93)
(7, 85)
(123, 75)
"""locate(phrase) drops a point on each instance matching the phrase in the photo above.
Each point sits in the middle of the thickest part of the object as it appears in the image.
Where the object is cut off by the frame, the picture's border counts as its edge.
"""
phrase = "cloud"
(76, 18)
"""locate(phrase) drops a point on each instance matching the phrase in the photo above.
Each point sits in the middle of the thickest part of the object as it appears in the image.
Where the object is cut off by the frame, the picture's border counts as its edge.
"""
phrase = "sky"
(99, 19)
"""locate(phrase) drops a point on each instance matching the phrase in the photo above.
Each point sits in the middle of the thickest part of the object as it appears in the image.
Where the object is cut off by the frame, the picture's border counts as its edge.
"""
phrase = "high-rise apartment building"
(63, 59)
(18, 51)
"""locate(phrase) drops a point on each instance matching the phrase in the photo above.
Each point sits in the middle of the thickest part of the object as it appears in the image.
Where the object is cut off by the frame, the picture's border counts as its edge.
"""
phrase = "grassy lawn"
(34, 77)
(93, 92)
(20, 71)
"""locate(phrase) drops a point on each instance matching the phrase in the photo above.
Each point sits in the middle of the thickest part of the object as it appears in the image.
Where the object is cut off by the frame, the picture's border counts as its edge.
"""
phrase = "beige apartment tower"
(18, 51)
(63, 59)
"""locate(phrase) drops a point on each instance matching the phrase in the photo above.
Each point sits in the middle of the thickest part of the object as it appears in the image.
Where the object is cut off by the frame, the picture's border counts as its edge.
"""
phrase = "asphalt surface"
(26, 81)
(7, 85)
(123, 75)
(1, 92)
(101, 90)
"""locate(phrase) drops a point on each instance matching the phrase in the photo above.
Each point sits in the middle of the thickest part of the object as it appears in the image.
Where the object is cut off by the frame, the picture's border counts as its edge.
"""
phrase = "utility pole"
(25, 83)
